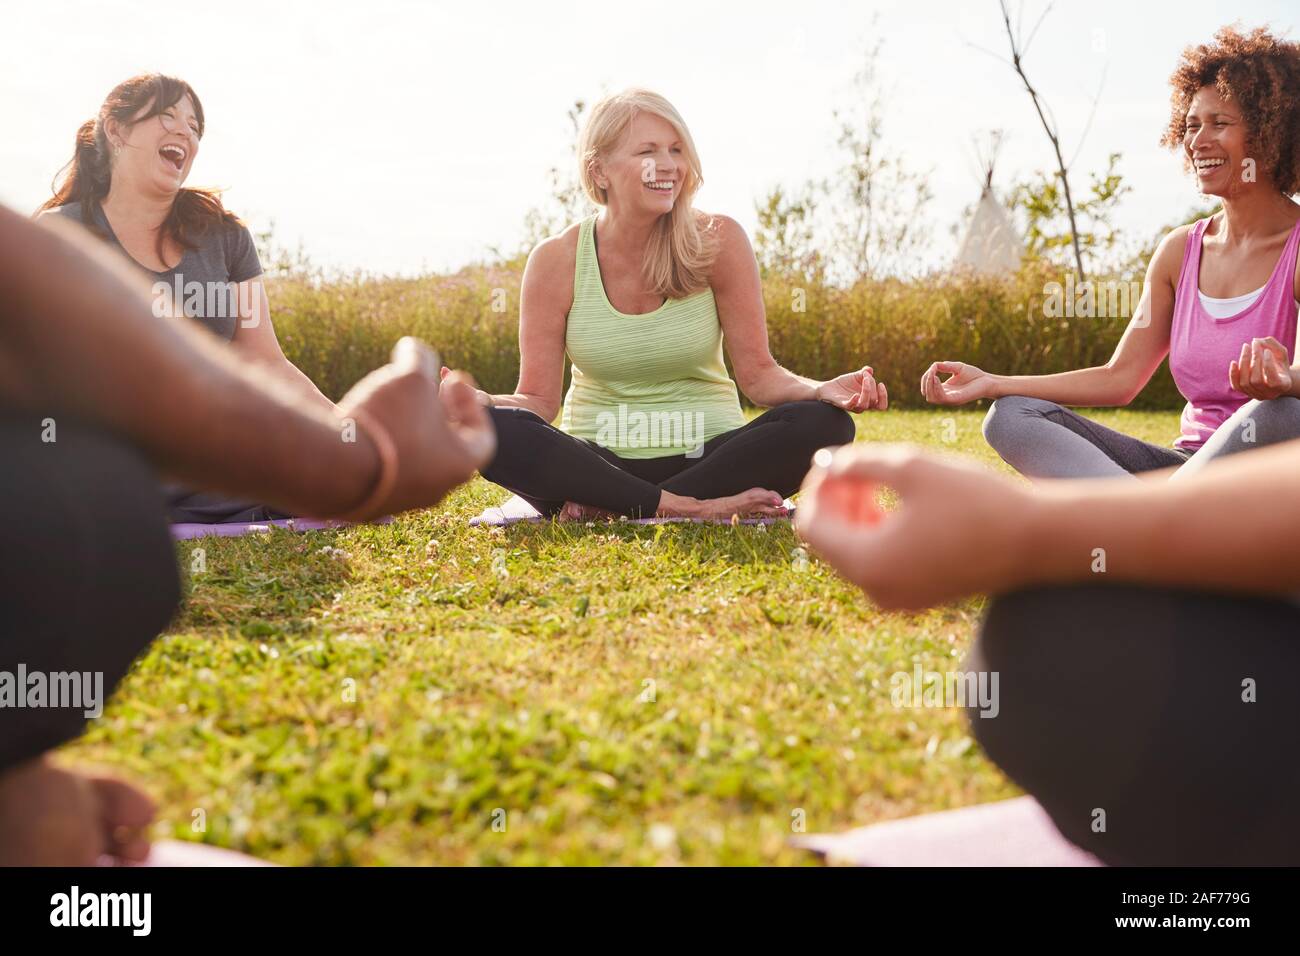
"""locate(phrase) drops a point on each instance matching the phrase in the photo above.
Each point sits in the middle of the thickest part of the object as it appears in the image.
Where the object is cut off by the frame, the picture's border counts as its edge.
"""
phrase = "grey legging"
(1044, 440)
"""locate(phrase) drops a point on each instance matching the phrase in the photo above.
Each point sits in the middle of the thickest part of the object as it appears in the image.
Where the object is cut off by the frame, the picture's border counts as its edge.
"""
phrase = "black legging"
(1130, 701)
(88, 572)
(546, 467)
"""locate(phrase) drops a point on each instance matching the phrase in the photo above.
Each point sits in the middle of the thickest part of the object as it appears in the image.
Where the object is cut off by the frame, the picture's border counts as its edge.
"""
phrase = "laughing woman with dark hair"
(126, 184)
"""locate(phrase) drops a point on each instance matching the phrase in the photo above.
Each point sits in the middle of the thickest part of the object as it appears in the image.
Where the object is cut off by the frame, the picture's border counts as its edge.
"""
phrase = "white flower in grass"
(662, 836)
(499, 564)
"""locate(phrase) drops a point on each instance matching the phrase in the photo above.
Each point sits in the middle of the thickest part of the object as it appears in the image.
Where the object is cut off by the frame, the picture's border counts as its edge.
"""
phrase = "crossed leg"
(739, 469)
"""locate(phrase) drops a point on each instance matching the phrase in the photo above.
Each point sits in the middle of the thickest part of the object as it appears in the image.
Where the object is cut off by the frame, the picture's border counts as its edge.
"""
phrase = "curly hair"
(1260, 73)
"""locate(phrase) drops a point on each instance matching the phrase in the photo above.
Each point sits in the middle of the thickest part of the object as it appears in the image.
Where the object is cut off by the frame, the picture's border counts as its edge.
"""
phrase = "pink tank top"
(1201, 346)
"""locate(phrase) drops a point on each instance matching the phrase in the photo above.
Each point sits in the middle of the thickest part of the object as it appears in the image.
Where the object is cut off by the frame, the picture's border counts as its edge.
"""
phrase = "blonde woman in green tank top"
(641, 300)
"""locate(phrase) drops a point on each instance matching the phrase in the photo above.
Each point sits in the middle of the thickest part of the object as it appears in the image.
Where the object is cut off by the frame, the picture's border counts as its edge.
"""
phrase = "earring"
(117, 150)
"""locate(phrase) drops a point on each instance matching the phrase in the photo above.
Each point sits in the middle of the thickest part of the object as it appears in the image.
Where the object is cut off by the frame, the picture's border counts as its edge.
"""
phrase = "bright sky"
(398, 136)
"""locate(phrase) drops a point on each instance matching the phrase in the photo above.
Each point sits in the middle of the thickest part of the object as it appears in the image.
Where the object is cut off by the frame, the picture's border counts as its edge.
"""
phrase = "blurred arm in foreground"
(79, 338)
(90, 380)
(1133, 667)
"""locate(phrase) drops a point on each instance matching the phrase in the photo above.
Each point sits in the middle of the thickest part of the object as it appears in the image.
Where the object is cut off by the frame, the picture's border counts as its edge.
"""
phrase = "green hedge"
(337, 330)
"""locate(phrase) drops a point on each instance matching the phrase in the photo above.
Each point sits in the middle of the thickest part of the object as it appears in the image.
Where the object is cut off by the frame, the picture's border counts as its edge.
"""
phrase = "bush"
(337, 330)
(900, 326)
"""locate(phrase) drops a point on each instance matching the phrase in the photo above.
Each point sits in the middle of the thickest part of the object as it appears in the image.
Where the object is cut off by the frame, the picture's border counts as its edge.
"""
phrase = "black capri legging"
(88, 573)
(546, 467)
(1155, 726)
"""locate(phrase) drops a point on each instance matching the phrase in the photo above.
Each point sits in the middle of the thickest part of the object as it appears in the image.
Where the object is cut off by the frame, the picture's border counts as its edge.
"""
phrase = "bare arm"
(738, 292)
(545, 297)
(1209, 531)
(78, 338)
(961, 529)
(1141, 349)
(256, 344)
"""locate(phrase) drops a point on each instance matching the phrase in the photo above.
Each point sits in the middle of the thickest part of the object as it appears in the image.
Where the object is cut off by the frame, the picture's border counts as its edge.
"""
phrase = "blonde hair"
(680, 254)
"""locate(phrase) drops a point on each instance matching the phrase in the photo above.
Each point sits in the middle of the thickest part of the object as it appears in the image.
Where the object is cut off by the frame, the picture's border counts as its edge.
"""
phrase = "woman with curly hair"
(1220, 297)
(1143, 707)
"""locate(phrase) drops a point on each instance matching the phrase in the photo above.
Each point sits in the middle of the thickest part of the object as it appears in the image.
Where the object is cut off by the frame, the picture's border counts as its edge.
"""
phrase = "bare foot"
(55, 817)
(572, 511)
(754, 503)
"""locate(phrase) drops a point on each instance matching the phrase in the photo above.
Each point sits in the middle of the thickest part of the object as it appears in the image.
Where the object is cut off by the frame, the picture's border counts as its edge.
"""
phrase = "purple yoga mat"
(1006, 833)
(234, 529)
(516, 509)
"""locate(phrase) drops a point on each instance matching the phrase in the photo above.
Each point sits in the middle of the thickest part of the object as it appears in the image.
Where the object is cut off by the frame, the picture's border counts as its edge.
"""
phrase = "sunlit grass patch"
(426, 692)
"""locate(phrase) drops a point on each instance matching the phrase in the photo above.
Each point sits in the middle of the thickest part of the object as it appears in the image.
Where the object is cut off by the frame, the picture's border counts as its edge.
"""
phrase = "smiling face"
(645, 172)
(157, 151)
(1215, 144)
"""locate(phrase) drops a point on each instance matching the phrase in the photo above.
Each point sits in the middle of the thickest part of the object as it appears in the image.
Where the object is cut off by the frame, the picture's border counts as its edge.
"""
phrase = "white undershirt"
(1223, 308)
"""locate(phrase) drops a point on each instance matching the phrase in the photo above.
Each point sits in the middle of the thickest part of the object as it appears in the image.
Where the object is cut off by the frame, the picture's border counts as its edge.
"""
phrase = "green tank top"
(644, 386)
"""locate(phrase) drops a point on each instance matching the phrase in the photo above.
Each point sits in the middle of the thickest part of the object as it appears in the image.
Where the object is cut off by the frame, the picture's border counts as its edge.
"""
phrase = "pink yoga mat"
(234, 529)
(1006, 833)
(183, 853)
(516, 509)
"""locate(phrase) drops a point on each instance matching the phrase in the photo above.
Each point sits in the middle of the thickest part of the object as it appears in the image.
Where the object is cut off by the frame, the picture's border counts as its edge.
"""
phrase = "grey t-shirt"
(204, 283)
(202, 286)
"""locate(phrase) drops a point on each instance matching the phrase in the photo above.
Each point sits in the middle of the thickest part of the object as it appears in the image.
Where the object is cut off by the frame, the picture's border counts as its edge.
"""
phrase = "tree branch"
(1017, 54)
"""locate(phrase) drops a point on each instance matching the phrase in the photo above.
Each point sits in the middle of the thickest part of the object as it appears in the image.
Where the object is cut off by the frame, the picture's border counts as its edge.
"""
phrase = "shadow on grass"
(258, 584)
(698, 543)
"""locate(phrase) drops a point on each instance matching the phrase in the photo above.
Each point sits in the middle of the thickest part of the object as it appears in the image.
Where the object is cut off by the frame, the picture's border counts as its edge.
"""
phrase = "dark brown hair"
(1260, 73)
(87, 176)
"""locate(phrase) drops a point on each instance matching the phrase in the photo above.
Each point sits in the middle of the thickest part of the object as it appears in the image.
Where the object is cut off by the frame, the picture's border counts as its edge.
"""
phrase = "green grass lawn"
(425, 692)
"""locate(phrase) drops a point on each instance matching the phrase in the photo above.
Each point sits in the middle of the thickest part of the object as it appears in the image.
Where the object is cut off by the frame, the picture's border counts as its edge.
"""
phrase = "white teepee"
(991, 245)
